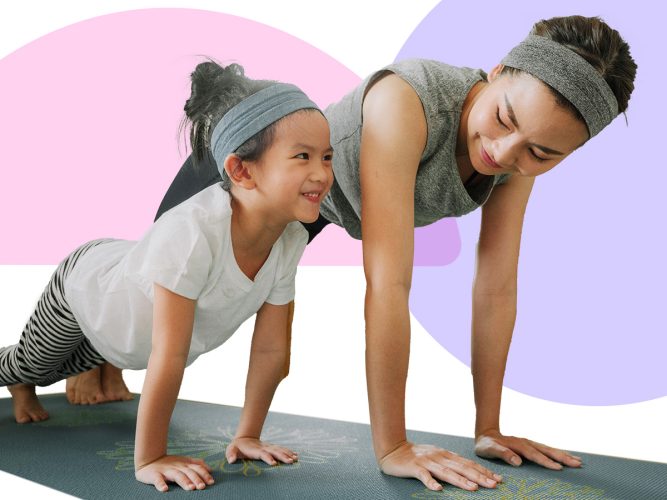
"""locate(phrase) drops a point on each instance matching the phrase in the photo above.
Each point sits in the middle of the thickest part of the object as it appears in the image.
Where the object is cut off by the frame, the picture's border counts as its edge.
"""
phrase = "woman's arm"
(268, 357)
(392, 141)
(173, 318)
(494, 314)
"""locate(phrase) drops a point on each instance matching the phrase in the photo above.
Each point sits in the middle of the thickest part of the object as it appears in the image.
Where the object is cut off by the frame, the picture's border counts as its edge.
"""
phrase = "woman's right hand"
(189, 473)
(428, 463)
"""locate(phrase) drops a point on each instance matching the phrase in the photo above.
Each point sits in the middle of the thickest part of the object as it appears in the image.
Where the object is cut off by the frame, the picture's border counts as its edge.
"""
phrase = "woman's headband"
(570, 74)
(252, 115)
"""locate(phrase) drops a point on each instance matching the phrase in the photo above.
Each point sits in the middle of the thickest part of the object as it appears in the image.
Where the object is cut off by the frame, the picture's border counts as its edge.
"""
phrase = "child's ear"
(238, 172)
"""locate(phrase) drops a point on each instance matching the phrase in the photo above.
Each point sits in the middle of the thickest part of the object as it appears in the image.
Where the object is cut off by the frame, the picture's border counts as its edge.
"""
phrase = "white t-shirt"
(188, 251)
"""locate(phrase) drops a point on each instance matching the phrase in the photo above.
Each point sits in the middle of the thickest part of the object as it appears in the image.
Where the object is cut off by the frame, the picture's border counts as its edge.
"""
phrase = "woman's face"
(515, 126)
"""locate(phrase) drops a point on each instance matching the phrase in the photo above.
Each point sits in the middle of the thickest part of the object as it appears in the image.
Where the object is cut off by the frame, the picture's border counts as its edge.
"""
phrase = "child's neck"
(252, 237)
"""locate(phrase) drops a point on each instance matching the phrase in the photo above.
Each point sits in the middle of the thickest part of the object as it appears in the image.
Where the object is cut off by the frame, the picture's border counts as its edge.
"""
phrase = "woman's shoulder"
(435, 82)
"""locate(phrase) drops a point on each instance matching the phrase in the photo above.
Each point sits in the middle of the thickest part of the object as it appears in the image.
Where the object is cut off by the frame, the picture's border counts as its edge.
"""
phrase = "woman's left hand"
(492, 444)
(253, 449)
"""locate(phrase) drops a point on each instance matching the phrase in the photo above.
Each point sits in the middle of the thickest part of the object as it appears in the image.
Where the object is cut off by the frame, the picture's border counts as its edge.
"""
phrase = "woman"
(421, 140)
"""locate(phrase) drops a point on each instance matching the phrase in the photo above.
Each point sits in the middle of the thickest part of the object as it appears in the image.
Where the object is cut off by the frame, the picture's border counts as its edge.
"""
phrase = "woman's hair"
(215, 90)
(597, 43)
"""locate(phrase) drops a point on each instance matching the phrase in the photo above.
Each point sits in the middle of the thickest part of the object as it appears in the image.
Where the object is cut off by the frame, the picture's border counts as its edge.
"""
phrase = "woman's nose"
(504, 152)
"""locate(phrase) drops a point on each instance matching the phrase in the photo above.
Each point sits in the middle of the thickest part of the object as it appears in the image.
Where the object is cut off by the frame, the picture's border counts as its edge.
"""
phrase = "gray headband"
(252, 115)
(570, 74)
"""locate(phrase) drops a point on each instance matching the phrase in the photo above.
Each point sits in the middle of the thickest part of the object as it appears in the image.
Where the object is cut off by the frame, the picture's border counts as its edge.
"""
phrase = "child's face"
(294, 175)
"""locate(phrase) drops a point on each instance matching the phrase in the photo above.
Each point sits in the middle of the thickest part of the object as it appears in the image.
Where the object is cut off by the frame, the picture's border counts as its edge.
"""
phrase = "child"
(200, 271)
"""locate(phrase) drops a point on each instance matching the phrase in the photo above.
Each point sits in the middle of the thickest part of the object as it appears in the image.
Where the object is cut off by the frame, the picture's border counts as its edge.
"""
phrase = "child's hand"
(189, 473)
(254, 449)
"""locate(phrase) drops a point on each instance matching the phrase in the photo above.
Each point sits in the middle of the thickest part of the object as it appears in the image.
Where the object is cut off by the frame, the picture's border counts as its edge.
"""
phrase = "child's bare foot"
(113, 386)
(27, 407)
(85, 388)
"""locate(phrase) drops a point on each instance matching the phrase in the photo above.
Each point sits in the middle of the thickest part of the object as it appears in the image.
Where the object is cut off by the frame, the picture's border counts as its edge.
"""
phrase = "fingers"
(203, 472)
(490, 448)
(284, 455)
(511, 449)
(232, 453)
(429, 464)
(160, 483)
(266, 457)
(472, 472)
(180, 478)
(253, 449)
(154, 478)
(425, 477)
(188, 473)
(557, 455)
(526, 449)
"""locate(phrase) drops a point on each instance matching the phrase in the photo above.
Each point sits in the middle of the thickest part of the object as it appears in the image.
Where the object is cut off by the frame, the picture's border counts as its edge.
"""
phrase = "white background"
(327, 376)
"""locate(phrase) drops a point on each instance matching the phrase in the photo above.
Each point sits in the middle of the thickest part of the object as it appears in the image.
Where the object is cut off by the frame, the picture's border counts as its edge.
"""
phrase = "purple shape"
(438, 244)
(592, 276)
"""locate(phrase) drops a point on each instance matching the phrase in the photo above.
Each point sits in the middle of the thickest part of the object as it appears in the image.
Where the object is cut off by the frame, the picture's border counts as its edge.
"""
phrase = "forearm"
(493, 320)
(158, 398)
(265, 372)
(387, 356)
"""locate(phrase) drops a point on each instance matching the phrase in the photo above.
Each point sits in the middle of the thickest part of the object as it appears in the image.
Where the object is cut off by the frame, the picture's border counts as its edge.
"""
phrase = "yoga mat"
(87, 451)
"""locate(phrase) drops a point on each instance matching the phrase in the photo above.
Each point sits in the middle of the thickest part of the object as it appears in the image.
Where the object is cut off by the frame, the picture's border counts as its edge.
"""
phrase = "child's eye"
(500, 122)
(302, 156)
(328, 157)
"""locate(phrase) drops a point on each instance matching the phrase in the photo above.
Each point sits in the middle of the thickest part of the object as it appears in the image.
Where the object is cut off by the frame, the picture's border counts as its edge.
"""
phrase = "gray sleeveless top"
(439, 191)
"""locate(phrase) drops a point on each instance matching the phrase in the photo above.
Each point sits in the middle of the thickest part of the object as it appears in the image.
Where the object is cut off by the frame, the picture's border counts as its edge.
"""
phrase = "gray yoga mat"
(87, 451)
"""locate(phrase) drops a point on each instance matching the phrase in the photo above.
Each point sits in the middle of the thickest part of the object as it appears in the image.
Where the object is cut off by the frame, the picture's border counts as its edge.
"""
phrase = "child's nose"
(322, 172)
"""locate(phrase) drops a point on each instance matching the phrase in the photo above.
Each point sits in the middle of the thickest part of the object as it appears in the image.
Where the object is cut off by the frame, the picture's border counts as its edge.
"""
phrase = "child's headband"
(570, 74)
(252, 115)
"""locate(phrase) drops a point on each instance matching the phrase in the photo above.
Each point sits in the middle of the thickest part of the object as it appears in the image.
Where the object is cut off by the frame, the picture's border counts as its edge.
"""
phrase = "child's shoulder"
(294, 238)
(210, 205)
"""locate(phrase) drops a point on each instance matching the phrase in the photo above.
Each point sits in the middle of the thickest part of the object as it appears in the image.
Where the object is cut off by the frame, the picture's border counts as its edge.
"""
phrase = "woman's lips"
(487, 159)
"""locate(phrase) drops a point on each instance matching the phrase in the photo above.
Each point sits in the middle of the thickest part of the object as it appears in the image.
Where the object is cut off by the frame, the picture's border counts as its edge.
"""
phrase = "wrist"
(141, 463)
(246, 435)
(486, 431)
(382, 457)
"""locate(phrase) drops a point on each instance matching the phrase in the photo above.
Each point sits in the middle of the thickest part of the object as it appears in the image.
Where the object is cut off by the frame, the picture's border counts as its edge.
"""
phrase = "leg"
(99, 383)
(113, 386)
(85, 388)
(49, 339)
(27, 407)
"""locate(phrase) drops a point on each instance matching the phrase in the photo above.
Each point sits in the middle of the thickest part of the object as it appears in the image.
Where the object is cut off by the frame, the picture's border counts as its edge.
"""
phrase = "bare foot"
(86, 388)
(27, 407)
(113, 385)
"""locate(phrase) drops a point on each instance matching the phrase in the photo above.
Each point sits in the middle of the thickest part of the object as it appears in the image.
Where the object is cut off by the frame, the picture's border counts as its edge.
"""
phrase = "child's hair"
(600, 45)
(215, 90)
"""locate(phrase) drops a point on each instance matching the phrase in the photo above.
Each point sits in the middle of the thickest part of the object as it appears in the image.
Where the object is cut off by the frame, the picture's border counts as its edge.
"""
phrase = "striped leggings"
(52, 346)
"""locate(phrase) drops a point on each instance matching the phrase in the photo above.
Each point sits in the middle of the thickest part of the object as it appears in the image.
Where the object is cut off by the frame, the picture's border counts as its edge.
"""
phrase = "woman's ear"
(495, 71)
(238, 172)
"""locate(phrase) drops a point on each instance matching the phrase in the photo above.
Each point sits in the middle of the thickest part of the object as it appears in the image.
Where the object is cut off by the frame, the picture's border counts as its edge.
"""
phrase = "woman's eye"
(302, 156)
(500, 122)
(538, 158)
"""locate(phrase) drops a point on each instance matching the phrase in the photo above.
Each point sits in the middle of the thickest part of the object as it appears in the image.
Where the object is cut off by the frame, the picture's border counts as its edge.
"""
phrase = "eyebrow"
(510, 113)
(300, 145)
